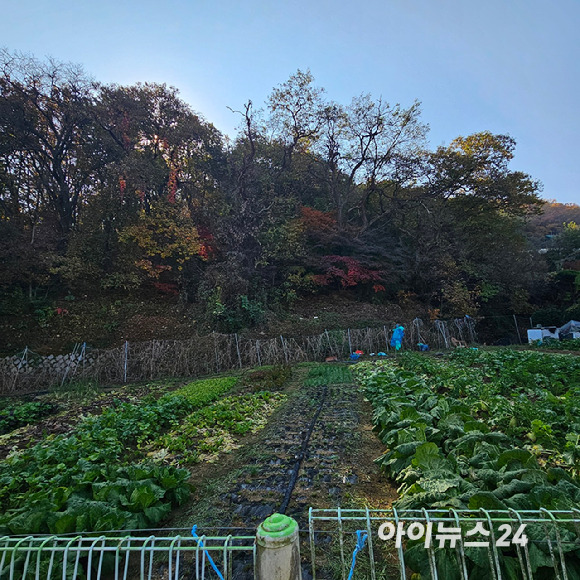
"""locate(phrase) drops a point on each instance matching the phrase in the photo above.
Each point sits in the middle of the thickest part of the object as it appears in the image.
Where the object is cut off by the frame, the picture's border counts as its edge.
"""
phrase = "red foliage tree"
(347, 272)
(315, 220)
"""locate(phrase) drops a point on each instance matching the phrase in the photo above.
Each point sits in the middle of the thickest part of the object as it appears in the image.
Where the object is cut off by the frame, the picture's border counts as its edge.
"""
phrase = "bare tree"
(52, 147)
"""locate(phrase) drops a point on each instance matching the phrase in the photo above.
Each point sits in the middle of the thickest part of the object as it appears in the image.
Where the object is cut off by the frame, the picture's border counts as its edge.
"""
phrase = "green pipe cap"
(277, 526)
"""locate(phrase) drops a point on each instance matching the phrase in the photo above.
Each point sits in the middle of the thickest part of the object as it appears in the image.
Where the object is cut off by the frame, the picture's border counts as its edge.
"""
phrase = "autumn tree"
(295, 114)
(360, 146)
(169, 156)
(52, 148)
(170, 151)
(350, 149)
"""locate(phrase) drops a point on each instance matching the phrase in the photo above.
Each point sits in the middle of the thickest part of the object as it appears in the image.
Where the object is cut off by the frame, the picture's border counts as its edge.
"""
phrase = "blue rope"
(360, 544)
(200, 543)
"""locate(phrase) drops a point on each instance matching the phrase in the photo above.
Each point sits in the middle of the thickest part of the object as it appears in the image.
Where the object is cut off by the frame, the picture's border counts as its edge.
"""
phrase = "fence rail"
(546, 548)
(123, 557)
(339, 544)
(214, 353)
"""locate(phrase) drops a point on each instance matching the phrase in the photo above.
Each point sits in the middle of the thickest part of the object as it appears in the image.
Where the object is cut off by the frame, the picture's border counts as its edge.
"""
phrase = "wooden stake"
(238, 349)
(258, 353)
(518, 330)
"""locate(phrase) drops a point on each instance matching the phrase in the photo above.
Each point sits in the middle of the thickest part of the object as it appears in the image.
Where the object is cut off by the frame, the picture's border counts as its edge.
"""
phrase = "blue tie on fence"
(360, 544)
(209, 558)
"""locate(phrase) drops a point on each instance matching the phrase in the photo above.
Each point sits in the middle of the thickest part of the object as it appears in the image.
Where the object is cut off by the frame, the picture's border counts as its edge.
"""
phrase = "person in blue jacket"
(397, 338)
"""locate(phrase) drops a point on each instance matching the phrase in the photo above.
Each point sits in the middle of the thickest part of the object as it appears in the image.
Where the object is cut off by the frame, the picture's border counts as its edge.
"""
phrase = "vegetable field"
(480, 429)
(127, 466)
(497, 430)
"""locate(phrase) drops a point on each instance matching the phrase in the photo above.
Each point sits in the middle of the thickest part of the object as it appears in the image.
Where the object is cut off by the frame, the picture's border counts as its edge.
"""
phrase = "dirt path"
(337, 467)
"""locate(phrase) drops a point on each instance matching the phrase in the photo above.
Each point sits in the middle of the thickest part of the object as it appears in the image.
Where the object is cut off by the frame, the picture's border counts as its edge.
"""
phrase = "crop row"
(569, 344)
(213, 429)
(100, 476)
(18, 414)
(492, 430)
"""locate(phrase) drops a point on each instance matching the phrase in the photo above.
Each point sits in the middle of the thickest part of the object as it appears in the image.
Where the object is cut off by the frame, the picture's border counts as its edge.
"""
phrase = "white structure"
(542, 332)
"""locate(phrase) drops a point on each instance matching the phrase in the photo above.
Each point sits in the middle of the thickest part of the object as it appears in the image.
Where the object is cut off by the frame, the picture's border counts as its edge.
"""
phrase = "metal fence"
(125, 557)
(439, 544)
(339, 544)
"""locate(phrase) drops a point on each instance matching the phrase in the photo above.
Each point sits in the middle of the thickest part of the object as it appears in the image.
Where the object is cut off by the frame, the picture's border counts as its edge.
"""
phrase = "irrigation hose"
(301, 455)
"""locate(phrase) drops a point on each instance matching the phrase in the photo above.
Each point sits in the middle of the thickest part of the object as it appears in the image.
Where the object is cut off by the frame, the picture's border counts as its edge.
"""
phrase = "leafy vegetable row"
(492, 430)
(487, 429)
(93, 478)
(213, 429)
(569, 344)
(18, 414)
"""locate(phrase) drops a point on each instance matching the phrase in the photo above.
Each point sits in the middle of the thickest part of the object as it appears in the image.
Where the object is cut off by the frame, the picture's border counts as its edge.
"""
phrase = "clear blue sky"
(507, 66)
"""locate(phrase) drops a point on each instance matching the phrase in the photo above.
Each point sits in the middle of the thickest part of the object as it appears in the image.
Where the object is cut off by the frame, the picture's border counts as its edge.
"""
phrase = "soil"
(316, 314)
(235, 495)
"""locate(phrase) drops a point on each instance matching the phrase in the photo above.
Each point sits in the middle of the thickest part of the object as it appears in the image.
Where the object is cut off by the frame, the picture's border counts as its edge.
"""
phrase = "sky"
(505, 66)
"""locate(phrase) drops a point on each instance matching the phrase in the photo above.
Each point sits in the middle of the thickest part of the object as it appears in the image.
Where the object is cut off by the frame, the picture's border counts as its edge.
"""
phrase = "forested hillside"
(111, 195)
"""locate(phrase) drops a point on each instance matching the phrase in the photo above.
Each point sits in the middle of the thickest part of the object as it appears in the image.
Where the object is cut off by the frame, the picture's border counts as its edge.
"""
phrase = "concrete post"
(278, 549)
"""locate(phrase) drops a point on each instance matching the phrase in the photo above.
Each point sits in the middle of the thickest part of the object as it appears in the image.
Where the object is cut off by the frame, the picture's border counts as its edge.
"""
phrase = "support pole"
(70, 363)
(517, 328)
(349, 343)
(238, 349)
(258, 353)
(125, 361)
(278, 549)
(329, 343)
(215, 348)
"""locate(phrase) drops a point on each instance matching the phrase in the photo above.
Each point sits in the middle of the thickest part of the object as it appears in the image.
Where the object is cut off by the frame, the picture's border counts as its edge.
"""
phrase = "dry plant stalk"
(215, 353)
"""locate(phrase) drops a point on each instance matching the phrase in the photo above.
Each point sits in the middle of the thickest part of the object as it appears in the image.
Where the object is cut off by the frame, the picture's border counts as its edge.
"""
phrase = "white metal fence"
(339, 544)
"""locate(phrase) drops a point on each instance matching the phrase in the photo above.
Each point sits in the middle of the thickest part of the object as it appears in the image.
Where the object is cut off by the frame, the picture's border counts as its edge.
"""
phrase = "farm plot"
(496, 430)
(570, 344)
(18, 414)
(124, 468)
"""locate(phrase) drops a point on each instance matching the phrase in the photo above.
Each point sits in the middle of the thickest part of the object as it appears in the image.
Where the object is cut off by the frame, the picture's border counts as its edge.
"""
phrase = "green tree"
(471, 212)
(566, 246)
